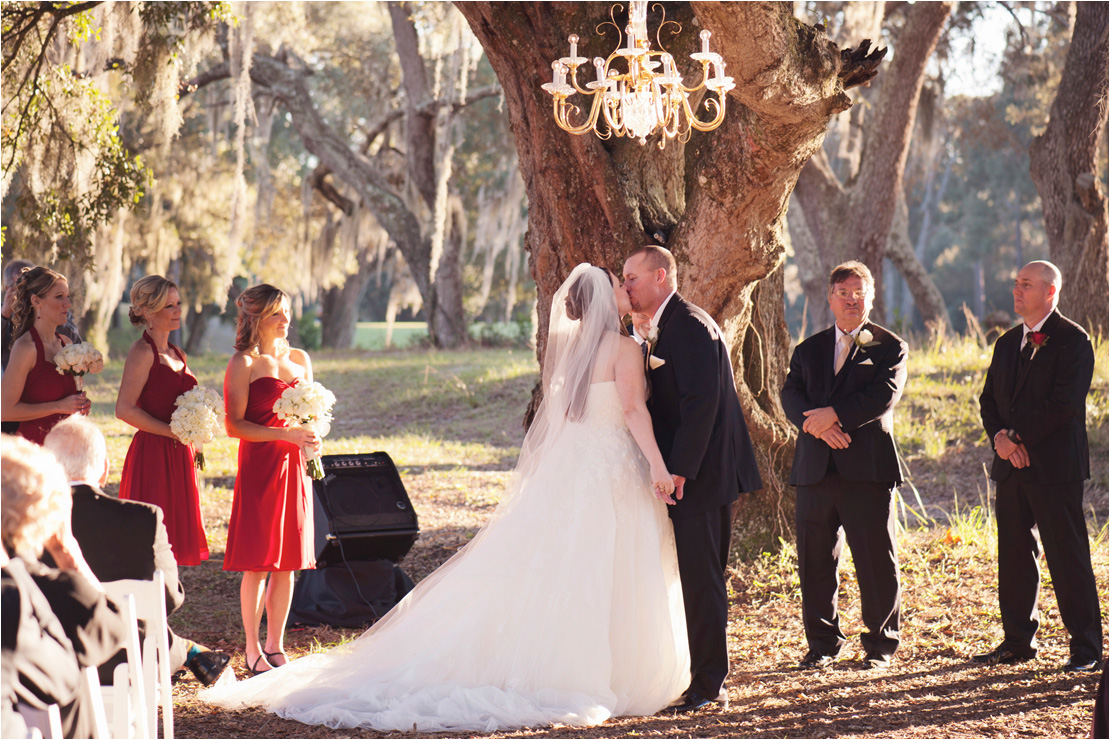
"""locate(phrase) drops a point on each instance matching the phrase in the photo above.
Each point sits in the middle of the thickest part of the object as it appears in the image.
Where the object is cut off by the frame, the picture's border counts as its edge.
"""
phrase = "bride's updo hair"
(580, 294)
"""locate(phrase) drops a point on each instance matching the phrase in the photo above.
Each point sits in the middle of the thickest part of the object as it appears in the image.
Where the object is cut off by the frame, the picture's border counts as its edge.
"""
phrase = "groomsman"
(701, 432)
(1034, 410)
(841, 391)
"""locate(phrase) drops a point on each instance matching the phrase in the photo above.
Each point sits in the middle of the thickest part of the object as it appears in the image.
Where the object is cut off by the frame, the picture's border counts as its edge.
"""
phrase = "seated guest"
(123, 539)
(55, 622)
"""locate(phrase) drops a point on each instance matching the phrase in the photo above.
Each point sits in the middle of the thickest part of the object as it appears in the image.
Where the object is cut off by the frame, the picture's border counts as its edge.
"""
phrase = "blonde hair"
(80, 448)
(35, 496)
(149, 295)
(32, 281)
(256, 304)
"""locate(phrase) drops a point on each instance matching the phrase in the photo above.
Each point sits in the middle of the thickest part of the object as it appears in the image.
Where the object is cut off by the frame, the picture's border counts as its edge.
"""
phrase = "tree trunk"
(719, 203)
(1064, 166)
(851, 222)
(926, 296)
(874, 199)
(339, 305)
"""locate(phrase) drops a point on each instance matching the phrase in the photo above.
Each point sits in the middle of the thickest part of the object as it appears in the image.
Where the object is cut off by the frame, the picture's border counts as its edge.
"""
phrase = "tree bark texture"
(1064, 166)
(719, 203)
(874, 199)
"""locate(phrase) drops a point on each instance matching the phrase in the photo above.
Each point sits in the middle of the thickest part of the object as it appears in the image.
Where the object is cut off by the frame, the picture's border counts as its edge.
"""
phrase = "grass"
(451, 421)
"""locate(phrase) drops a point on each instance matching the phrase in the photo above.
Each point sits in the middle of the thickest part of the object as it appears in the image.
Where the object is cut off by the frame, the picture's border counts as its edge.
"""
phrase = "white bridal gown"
(565, 609)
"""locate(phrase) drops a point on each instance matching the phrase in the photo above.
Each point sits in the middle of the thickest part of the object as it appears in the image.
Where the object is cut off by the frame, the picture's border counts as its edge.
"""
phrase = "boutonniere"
(652, 340)
(1038, 339)
(865, 339)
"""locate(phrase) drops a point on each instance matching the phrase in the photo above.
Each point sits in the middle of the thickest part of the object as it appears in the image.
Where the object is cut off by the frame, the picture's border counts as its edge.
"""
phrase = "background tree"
(718, 203)
(1064, 163)
(851, 215)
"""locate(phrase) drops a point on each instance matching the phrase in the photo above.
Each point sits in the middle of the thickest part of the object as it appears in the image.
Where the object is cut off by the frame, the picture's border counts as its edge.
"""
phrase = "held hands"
(1013, 452)
(78, 403)
(662, 484)
(304, 438)
(836, 437)
(642, 323)
(819, 420)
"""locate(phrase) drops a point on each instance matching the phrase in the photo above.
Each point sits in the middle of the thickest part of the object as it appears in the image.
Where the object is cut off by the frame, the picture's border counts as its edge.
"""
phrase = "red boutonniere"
(1038, 340)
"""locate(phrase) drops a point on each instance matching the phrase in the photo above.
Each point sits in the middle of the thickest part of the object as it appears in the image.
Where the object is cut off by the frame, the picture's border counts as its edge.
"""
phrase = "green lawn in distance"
(371, 334)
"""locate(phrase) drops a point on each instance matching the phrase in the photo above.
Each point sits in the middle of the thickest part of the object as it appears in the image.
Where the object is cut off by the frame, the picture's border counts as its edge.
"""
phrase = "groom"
(704, 439)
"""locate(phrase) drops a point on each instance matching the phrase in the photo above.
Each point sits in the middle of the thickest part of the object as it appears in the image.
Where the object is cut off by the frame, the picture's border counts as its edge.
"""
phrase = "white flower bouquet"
(77, 359)
(307, 405)
(198, 418)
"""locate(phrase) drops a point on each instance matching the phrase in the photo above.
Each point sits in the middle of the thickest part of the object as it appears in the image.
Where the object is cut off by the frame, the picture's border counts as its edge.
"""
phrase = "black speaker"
(361, 510)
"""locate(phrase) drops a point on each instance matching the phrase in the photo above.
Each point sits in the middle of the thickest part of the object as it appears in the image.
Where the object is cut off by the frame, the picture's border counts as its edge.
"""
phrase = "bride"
(565, 608)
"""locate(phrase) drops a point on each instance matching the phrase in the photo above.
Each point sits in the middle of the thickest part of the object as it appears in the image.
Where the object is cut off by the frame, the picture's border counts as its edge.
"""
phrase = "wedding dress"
(566, 608)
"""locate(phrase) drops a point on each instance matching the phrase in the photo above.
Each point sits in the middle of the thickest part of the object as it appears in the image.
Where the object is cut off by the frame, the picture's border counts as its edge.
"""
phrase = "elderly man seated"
(56, 622)
(124, 539)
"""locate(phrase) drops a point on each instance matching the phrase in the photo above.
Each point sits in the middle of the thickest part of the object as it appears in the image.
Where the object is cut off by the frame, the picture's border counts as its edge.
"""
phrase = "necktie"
(1026, 354)
(842, 353)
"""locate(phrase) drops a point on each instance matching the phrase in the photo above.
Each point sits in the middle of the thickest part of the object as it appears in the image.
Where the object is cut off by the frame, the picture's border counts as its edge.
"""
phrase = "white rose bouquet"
(77, 359)
(307, 405)
(198, 418)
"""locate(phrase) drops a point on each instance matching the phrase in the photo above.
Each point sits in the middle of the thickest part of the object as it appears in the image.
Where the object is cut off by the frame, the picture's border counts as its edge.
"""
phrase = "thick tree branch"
(288, 86)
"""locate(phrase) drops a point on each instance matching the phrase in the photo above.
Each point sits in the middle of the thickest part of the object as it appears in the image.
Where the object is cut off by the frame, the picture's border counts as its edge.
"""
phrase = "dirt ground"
(931, 690)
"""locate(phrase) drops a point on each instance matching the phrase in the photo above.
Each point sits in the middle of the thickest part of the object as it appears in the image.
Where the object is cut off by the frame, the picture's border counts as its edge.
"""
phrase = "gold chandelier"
(641, 100)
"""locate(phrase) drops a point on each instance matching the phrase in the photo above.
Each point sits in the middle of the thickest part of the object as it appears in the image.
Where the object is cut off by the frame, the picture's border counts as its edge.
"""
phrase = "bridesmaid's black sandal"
(279, 652)
(252, 668)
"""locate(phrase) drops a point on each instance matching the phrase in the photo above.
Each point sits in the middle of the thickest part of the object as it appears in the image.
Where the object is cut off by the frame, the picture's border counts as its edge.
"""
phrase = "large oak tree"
(719, 202)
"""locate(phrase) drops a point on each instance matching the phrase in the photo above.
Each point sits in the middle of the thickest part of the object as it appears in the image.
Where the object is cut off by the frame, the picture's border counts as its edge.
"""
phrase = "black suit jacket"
(1046, 403)
(863, 394)
(698, 422)
(124, 539)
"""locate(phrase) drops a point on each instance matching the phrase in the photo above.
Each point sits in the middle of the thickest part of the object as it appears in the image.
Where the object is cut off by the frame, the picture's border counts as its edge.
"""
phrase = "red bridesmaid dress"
(44, 384)
(159, 470)
(271, 514)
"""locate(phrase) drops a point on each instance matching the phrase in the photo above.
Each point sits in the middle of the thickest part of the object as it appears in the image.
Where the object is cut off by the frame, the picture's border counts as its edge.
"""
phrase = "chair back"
(152, 670)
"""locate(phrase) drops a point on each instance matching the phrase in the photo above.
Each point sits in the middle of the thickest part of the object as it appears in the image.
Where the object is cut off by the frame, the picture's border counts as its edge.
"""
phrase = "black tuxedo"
(702, 435)
(848, 493)
(127, 540)
(1044, 400)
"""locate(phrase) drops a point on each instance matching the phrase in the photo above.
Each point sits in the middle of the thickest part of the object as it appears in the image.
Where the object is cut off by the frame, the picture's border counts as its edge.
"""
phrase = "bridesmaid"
(159, 468)
(270, 532)
(33, 392)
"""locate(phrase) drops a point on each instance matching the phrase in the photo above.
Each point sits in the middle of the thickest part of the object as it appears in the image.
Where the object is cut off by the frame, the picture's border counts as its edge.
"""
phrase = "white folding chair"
(150, 606)
(125, 699)
(41, 723)
(100, 721)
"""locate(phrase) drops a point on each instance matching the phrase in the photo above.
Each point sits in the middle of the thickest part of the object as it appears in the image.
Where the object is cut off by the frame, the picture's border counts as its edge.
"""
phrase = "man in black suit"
(704, 439)
(1034, 406)
(123, 539)
(841, 391)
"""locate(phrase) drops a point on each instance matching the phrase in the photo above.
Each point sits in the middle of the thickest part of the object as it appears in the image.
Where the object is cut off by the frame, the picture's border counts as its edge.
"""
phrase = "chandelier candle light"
(644, 99)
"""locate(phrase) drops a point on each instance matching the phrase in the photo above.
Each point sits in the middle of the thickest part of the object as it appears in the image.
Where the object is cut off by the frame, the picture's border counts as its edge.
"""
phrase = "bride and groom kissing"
(584, 596)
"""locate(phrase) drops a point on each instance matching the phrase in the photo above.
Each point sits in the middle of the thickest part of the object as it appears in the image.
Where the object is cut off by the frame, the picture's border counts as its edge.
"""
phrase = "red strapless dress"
(271, 514)
(160, 471)
(44, 384)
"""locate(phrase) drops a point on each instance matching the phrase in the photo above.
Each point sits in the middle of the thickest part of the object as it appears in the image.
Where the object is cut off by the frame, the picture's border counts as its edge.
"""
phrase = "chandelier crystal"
(648, 95)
